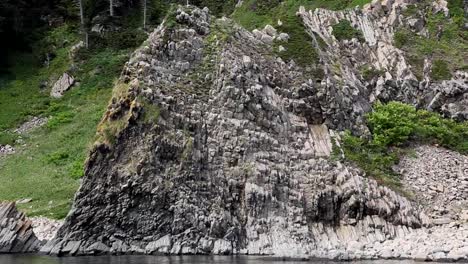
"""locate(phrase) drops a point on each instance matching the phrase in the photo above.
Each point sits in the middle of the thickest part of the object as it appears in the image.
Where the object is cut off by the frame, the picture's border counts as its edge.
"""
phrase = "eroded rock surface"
(16, 232)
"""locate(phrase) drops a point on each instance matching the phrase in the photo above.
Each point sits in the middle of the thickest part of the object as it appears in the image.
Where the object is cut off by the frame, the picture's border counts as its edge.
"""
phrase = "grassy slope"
(49, 163)
(258, 13)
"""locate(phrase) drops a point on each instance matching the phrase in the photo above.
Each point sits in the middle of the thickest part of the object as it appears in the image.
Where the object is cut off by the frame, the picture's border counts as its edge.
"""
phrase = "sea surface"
(33, 259)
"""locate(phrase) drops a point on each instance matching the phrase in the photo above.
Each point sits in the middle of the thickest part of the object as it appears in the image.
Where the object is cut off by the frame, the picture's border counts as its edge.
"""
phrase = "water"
(32, 259)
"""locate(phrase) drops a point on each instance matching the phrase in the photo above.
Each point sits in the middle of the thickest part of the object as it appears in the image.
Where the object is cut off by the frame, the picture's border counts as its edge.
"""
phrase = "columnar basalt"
(222, 148)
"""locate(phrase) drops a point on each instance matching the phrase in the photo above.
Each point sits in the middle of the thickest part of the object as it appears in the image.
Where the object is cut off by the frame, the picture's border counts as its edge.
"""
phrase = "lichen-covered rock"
(16, 232)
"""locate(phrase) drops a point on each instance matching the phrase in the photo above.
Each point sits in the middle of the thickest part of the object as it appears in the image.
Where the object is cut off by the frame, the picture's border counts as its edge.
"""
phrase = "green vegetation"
(440, 70)
(258, 13)
(300, 46)
(150, 113)
(369, 72)
(394, 126)
(47, 169)
(110, 127)
(401, 38)
(343, 30)
(219, 35)
(446, 42)
(217, 7)
(8, 138)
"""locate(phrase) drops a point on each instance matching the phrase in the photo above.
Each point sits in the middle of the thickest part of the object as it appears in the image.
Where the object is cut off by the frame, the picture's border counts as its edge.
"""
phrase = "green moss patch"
(446, 42)
(344, 31)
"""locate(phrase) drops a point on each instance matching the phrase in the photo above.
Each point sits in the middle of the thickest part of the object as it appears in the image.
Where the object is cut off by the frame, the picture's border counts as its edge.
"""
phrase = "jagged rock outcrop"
(16, 233)
(213, 145)
(347, 94)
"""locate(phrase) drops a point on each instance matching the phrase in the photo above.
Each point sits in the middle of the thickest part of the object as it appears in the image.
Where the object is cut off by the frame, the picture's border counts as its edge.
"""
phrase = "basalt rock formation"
(16, 232)
(214, 145)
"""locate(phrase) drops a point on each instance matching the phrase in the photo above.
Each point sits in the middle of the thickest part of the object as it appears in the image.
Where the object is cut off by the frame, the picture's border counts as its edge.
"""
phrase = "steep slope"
(212, 144)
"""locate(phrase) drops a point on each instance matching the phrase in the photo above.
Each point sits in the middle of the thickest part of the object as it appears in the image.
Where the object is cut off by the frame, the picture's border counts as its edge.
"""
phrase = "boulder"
(62, 85)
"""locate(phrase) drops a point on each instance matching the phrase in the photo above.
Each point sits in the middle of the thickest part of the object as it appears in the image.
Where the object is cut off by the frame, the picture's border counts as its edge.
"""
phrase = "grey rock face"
(62, 85)
(226, 149)
(16, 233)
(238, 166)
(345, 87)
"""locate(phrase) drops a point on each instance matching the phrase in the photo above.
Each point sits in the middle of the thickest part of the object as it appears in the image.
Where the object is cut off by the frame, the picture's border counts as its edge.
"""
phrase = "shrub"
(372, 158)
(393, 126)
(76, 170)
(299, 46)
(59, 119)
(456, 8)
(400, 39)
(57, 158)
(369, 73)
(440, 70)
(7, 138)
(125, 39)
(343, 30)
(262, 7)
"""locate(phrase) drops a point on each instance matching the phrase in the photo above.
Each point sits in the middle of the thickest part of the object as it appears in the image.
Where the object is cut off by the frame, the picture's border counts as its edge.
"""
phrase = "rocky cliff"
(16, 232)
(212, 144)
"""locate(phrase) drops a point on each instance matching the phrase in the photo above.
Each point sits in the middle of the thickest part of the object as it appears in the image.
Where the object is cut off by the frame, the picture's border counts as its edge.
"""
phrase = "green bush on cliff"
(394, 126)
(400, 38)
(343, 30)
(258, 13)
(369, 72)
(440, 70)
(299, 47)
